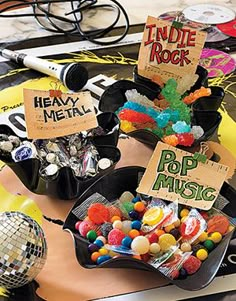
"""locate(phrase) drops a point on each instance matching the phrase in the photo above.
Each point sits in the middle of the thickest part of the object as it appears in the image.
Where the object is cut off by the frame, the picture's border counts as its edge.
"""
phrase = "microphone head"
(74, 76)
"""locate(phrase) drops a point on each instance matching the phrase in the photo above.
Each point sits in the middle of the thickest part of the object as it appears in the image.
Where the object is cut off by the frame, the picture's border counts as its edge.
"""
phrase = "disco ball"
(23, 249)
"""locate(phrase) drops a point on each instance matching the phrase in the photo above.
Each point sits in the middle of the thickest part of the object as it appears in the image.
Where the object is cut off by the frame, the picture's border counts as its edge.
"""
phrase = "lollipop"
(190, 227)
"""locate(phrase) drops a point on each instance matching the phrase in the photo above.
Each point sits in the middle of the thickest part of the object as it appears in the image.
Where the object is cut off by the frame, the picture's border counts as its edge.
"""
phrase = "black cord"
(42, 12)
(54, 221)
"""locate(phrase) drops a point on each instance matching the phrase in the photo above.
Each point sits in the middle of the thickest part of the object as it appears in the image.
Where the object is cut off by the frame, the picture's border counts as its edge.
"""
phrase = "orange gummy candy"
(189, 99)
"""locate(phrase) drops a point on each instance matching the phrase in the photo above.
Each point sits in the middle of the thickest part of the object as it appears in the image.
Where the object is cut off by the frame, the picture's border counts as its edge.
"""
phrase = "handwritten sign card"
(49, 115)
(170, 52)
(174, 175)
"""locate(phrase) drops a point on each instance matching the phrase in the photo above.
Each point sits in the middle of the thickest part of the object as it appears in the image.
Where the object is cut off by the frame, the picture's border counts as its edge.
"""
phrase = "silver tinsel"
(23, 249)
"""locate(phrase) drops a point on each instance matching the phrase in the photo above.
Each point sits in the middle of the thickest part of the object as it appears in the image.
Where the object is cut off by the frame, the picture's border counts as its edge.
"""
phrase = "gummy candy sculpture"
(168, 117)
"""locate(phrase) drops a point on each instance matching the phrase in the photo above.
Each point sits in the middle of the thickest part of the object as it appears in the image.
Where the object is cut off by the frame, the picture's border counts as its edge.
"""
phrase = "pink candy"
(115, 237)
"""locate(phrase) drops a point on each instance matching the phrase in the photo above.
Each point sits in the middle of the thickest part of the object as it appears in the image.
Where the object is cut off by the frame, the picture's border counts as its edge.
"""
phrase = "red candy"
(218, 223)
(133, 116)
(190, 227)
(98, 213)
(185, 139)
(192, 264)
(114, 211)
(85, 227)
(152, 238)
(115, 237)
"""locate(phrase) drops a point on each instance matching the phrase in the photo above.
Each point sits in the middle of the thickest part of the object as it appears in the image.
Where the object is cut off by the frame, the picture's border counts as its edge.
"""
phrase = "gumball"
(134, 215)
(166, 241)
(202, 254)
(99, 242)
(133, 233)
(106, 228)
(126, 241)
(169, 228)
(209, 244)
(117, 225)
(102, 238)
(115, 237)
(95, 256)
(103, 258)
(176, 223)
(93, 248)
(139, 206)
(175, 233)
(152, 238)
(184, 212)
(140, 244)
(115, 218)
(154, 248)
(77, 225)
(136, 225)
(197, 247)
(192, 264)
(128, 206)
(91, 235)
(182, 273)
(136, 199)
(85, 227)
(203, 237)
(126, 226)
(103, 251)
(216, 237)
(185, 247)
(98, 213)
(159, 232)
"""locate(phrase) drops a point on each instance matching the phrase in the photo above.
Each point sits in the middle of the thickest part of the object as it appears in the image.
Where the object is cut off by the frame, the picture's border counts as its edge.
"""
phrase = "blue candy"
(126, 241)
(181, 127)
(103, 258)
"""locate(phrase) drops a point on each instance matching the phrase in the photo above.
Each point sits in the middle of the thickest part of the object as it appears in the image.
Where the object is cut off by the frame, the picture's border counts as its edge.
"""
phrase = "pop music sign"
(175, 175)
(170, 50)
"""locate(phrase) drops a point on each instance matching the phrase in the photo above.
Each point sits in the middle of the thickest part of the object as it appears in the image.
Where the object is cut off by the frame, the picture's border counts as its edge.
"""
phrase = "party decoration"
(23, 249)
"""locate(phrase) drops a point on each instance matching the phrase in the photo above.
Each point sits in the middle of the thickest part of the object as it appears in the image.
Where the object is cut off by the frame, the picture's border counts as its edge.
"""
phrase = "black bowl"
(204, 112)
(66, 185)
(127, 179)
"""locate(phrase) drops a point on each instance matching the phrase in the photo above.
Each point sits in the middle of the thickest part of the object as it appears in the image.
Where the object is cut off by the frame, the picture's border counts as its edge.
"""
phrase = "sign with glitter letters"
(175, 175)
(170, 50)
(50, 115)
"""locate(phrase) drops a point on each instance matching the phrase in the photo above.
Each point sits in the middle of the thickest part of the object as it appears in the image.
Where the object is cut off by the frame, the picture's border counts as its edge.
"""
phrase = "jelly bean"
(216, 237)
(154, 248)
(98, 213)
(91, 235)
(140, 244)
(126, 241)
(209, 244)
(139, 206)
(202, 254)
(166, 241)
(153, 216)
(133, 233)
(136, 225)
(103, 258)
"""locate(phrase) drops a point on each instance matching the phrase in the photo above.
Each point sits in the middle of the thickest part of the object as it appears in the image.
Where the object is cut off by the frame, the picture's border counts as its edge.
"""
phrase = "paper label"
(174, 175)
(56, 116)
(170, 52)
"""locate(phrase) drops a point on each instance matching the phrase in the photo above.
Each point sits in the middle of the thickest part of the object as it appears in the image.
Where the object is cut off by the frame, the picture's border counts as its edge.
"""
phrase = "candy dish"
(204, 110)
(126, 179)
(65, 184)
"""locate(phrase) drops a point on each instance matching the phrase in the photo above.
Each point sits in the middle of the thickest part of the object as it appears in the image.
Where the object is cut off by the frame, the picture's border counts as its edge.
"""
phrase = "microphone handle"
(35, 63)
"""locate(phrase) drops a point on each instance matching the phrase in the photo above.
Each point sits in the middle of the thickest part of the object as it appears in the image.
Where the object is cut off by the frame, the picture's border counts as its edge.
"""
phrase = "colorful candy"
(218, 223)
(189, 99)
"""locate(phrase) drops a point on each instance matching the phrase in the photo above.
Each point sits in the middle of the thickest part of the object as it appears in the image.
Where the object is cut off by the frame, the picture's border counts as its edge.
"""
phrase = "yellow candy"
(169, 228)
(215, 237)
(126, 126)
(166, 241)
(103, 251)
(177, 223)
(203, 237)
(202, 254)
(186, 247)
(153, 216)
(184, 212)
